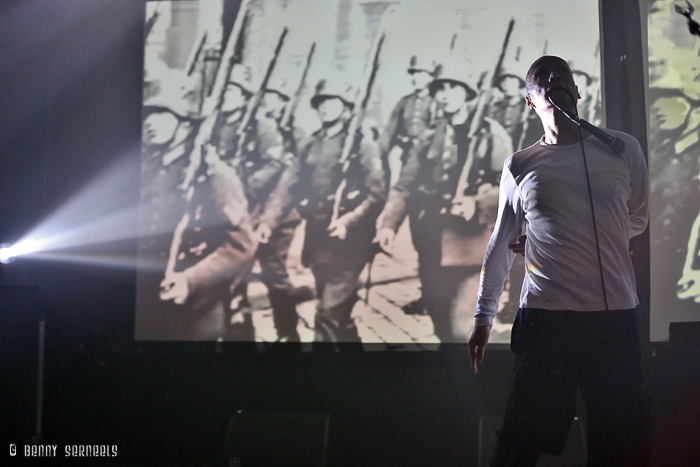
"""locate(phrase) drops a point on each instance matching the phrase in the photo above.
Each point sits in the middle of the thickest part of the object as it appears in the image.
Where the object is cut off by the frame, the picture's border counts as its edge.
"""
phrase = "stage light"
(6, 254)
(102, 212)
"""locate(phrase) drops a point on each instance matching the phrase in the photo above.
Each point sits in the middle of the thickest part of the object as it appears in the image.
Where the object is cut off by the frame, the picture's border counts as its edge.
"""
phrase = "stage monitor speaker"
(271, 439)
(574, 454)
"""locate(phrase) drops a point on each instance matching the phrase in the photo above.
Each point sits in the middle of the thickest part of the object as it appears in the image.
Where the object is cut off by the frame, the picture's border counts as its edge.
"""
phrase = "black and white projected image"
(318, 170)
(674, 110)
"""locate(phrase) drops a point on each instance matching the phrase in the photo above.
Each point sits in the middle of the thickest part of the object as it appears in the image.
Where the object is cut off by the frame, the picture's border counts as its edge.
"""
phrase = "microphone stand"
(613, 142)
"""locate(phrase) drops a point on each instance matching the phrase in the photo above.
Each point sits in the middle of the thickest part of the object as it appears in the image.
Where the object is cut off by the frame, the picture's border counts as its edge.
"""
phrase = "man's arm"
(498, 258)
(374, 181)
(497, 263)
(280, 199)
(395, 208)
(638, 203)
(386, 140)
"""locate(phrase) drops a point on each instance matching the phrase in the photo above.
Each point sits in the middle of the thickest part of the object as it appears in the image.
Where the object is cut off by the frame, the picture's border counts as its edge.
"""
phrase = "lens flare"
(6, 254)
(103, 212)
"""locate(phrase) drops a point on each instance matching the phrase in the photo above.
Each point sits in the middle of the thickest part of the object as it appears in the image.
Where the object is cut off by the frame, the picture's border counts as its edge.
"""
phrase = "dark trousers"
(439, 284)
(558, 353)
(336, 286)
(273, 264)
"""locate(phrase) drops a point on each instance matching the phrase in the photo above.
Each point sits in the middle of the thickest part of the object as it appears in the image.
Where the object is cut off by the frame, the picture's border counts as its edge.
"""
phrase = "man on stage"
(576, 328)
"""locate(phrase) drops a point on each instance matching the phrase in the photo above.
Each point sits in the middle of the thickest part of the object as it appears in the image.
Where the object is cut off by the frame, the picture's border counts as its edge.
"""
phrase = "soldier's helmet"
(279, 86)
(172, 91)
(501, 79)
(329, 88)
(504, 76)
(240, 76)
(431, 67)
(582, 78)
(456, 73)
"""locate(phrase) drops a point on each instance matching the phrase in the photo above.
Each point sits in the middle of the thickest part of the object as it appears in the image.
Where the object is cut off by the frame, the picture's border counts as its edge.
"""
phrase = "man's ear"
(578, 93)
(530, 105)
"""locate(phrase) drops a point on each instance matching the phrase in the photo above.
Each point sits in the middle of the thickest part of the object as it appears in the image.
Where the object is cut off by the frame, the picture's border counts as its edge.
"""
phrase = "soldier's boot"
(416, 307)
(240, 328)
(302, 294)
(336, 324)
(240, 298)
(284, 315)
(329, 330)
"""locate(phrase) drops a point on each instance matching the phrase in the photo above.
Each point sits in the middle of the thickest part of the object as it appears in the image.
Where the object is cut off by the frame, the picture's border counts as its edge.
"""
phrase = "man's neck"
(461, 116)
(560, 131)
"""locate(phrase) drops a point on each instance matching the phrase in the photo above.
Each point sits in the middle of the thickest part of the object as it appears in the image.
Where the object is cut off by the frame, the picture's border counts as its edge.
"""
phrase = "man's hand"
(263, 233)
(174, 287)
(518, 246)
(385, 238)
(477, 344)
(338, 229)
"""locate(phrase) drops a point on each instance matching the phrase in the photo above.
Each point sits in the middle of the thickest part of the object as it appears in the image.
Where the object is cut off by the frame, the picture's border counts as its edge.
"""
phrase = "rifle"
(212, 104)
(482, 103)
(211, 110)
(193, 58)
(351, 140)
(151, 21)
(254, 103)
(289, 110)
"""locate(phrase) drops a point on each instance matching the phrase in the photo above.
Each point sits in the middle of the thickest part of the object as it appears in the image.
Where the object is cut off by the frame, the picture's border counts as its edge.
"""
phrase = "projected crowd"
(360, 230)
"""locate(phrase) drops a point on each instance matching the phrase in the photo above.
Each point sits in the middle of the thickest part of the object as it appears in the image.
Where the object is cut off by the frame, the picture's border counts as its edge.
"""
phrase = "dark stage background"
(70, 104)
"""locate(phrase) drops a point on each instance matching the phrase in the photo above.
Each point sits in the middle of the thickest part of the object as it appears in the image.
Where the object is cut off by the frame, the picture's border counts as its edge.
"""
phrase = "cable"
(595, 225)
(590, 195)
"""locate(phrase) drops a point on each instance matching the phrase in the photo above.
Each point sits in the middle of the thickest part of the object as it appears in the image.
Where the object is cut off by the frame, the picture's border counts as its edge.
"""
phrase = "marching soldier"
(410, 117)
(170, 122)
(509, 108)
(339, 232)
(273, 108)
(261, 163)
(213, 247)
(450, 238)
(409, 120)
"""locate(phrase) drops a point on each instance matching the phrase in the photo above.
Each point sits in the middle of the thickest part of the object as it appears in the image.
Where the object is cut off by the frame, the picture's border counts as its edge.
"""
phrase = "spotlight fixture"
(6, 253)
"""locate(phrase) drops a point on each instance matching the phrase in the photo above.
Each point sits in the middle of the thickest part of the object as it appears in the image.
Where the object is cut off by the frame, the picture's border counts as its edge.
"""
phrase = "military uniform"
(407, 123)
(209, 236)
(450, 247)
(409, 119)
(262, 161)
(335, 263)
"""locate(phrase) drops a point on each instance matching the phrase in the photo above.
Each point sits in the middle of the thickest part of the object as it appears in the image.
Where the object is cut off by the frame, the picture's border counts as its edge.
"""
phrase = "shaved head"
(530, 77)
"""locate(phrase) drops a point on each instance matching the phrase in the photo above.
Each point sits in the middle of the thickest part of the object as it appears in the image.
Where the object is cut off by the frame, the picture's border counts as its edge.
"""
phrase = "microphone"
(613, 142)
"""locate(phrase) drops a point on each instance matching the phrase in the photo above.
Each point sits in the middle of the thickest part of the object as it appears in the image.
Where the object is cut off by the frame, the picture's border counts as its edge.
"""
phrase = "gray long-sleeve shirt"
(543, 188)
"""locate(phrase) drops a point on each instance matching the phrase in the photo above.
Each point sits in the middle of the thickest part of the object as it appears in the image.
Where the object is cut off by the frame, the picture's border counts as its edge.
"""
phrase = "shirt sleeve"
(638, 203)
(395, 208)
(387, 139)
(499, 258)
(374, 181)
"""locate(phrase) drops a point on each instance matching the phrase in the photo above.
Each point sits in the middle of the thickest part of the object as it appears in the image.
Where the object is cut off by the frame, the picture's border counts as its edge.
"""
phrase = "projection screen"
(674, 137)
(276, 133)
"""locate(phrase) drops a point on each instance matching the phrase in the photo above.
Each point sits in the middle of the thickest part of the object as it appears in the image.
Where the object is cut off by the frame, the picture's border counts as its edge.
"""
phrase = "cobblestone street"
(378, 316)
